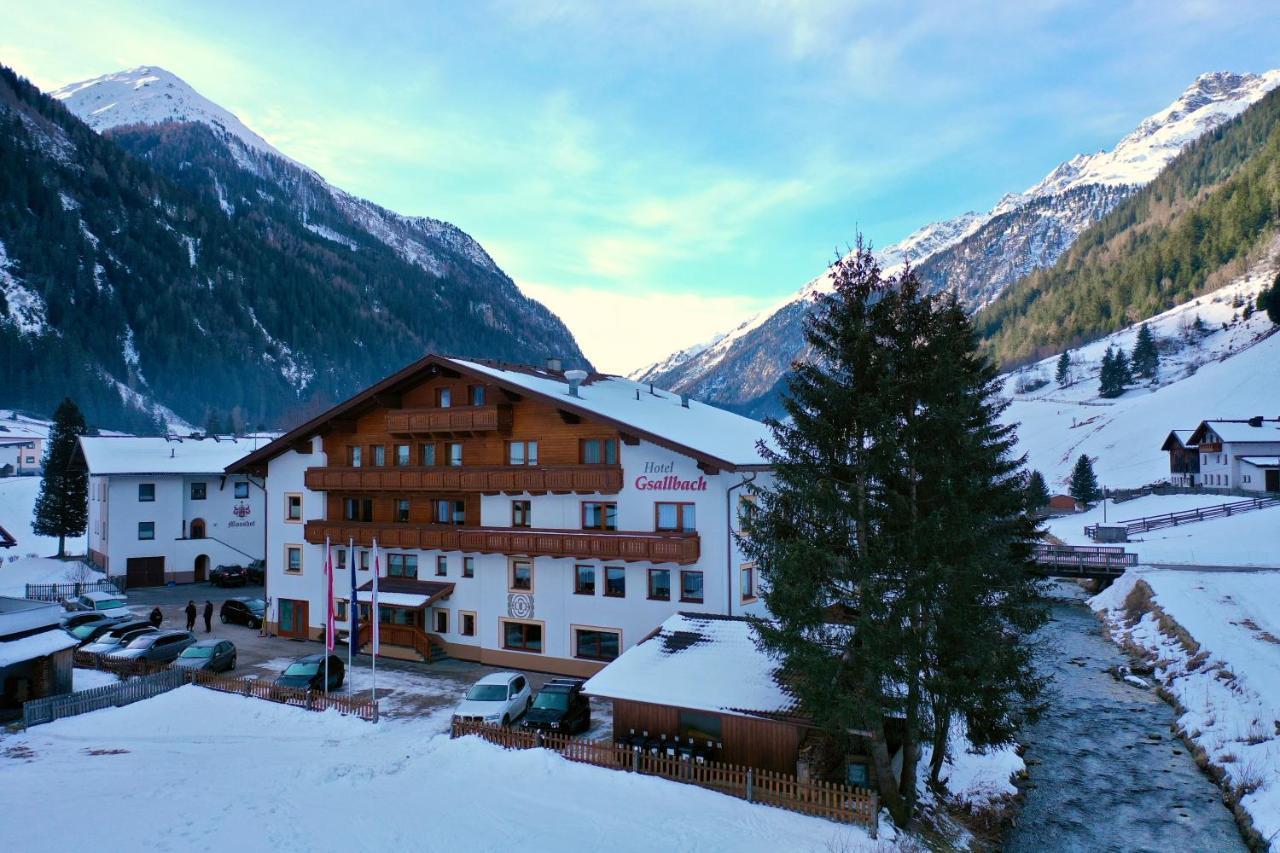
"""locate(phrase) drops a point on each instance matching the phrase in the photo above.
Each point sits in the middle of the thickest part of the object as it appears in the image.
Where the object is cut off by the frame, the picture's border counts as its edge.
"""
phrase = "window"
(199, 491)
(340, 558)
(468, 567)
(691, 587)
(293, 507)
(146, 492)
(340, 611)
(673, 516)
(442, 565)
(242, 490)
(521, 576)
(444, 397)
(660, 584)
(402, 565)
(699, 726)
(596, 644)
(429, 454)
(379, 455)
(355, 456)
(599, 516)
(357, 509)
(455, 453)
(747, 579)
(402, 510)
(146, 530)
(440, 617)
(451, 512)
(466, 623)
(293, 559)
(584, 580)
(522, 453)
(403, 453)
(615, 582)
(598, 451)
(475, 395)
(364, 561)
(522, 636)
(746, 510)
(521, 513)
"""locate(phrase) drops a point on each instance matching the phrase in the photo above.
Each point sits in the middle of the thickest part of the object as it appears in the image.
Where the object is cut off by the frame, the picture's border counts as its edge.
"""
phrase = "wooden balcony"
(487, 480)
(452, 420)
(628, 546)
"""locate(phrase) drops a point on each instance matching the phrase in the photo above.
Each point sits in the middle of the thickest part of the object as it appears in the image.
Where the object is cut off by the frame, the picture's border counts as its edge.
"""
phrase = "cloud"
(620, 332)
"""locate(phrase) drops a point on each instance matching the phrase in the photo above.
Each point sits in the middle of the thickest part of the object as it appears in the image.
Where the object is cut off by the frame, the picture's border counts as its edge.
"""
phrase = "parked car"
(72, 618)
(498, 698)
(117, 639)
(111, 604)
(307, 673)
(243, 610)
(158, 646)
(559, 707)
(87, 632)
(229, 576)
(256, 571)
(211, 655)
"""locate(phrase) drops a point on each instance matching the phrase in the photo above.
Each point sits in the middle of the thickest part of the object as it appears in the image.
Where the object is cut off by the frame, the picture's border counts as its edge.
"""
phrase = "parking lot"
(404, 688)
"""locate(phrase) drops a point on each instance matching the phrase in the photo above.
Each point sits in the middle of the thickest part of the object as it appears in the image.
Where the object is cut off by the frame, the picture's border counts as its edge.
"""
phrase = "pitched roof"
(1240, 430)
(713, 436)
(155, 455)
(1178, 438)
(404, 592)
(699, 661)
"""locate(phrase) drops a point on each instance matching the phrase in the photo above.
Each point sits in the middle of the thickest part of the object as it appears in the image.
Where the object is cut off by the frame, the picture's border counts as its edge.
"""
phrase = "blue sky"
(655, 171)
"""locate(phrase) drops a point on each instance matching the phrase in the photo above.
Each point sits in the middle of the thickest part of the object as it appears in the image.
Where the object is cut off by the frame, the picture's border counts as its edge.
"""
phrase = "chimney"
(575, 378)
(684, 400)
(172, 452)
(554, 364)
(1255, 421)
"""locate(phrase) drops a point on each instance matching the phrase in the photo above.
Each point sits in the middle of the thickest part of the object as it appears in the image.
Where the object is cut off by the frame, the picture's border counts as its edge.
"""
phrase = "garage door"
(144, 571)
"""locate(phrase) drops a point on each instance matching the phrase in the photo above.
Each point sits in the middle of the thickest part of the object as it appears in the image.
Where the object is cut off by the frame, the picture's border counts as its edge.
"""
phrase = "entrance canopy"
(404, 592)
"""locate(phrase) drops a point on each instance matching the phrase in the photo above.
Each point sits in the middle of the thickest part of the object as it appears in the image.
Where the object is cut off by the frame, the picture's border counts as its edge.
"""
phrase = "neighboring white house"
(164, 510)
(527, 517)
(1239, 454)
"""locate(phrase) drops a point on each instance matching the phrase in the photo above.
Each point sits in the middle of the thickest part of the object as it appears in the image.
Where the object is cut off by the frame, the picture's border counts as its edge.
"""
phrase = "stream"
(1106, 773)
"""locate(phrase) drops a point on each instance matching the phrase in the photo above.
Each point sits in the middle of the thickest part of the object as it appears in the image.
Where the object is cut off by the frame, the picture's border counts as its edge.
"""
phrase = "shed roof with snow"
(699, 661)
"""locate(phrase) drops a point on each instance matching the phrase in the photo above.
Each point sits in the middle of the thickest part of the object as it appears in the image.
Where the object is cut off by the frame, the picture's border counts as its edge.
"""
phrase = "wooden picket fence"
(57, 592)
(37, 711)
(842, 803)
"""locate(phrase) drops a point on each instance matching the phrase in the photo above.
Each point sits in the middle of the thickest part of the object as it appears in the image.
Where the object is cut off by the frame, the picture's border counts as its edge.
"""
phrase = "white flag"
(374, 621)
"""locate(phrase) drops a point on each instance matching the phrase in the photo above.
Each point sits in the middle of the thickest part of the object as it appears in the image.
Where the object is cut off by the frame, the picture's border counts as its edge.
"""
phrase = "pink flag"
(330, 627)
(374, 621)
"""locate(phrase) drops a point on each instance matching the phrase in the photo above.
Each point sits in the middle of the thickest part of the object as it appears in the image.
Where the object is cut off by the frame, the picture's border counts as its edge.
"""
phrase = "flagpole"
(328, 609)
(353, 639)
(375, 623)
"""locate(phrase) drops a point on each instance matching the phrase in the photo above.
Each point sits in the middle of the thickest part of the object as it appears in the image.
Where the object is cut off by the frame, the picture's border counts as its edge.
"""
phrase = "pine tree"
(1037, 492)
(1063, 374)
(1269, 301)
(1084, 484)
(1146, 357)
(864, 517)
(1114, 375)
(62, 507)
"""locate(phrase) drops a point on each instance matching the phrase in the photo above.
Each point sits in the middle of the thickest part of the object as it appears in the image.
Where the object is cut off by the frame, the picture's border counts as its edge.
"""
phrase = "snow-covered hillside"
(1220, 373)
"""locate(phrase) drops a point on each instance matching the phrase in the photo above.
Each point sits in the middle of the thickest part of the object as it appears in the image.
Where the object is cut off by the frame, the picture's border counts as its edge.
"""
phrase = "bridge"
(1093, 562)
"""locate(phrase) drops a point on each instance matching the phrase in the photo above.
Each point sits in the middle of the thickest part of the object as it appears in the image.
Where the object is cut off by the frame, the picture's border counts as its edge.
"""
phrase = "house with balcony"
(164, 510)
(1184, 458)
(523, 516)
(1238, 455)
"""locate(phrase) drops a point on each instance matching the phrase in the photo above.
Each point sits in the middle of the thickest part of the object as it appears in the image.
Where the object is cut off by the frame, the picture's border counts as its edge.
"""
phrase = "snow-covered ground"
(1249, 539)
(1217, 651)
(17, 512)
(1223, 373)
(16, 574)
(186, 768)
(87, 679)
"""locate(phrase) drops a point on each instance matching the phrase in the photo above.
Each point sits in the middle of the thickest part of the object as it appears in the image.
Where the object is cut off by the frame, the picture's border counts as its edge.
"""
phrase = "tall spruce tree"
(897, 575)
(1037, 492)
(1269, 301)
(62, 507)
(1146, 357)
(1063, 374)
(1084, 483)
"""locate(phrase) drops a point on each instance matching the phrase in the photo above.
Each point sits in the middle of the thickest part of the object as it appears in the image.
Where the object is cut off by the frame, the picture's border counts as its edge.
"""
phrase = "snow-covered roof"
(1242, 430)
(155, 455)
(1262, 461)
(715, 432)
(699, 661)
(35, 646)
(393, 599)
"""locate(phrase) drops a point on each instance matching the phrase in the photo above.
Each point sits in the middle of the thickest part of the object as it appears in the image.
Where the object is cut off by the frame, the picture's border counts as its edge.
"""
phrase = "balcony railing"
(489, 480)
(459, 420)
(629, 546)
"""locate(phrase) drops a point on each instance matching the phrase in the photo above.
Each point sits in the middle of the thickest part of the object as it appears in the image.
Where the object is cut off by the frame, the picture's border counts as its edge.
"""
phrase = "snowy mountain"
(174, 266)
(977, 255)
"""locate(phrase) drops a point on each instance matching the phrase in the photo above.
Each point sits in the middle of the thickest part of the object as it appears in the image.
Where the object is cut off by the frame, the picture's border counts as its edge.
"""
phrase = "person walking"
(191, 615)
(156, 617)
(208, 616)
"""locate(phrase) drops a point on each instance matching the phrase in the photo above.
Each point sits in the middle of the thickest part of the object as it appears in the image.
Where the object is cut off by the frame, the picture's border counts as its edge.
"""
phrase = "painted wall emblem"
(520, 605)
(241, 510)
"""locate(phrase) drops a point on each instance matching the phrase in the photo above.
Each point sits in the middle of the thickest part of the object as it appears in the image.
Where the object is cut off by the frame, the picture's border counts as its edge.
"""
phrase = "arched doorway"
(197, 528)
(202, 568)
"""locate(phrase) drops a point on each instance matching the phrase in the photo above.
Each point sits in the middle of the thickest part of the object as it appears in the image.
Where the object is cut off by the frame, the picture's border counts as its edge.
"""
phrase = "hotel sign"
(662, 477)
